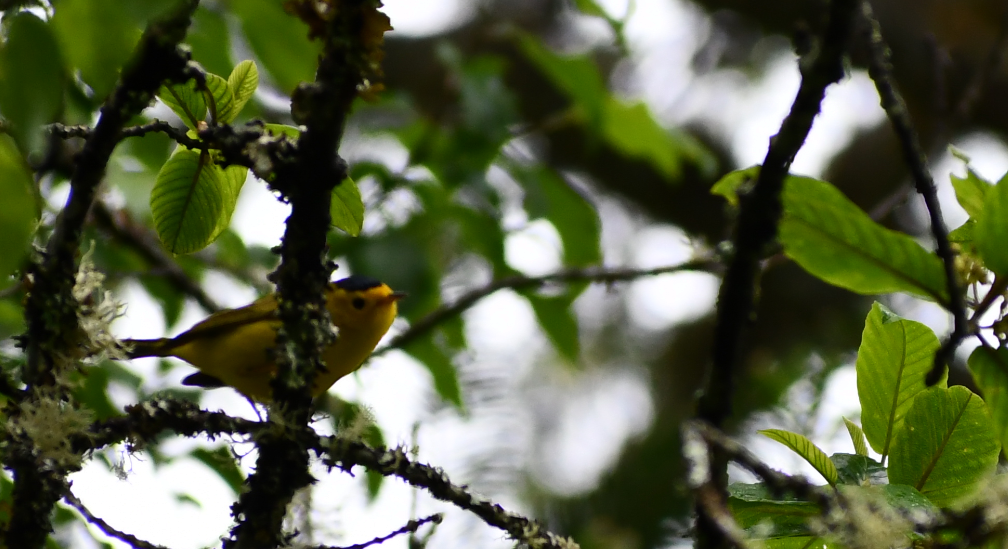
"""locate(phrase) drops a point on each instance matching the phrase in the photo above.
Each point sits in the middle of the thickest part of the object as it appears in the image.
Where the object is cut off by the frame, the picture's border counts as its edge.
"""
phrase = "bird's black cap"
(358, 283)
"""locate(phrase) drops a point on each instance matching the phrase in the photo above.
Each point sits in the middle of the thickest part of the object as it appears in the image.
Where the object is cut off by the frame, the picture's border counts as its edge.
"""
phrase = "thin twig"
(109, 531)
(410, 528)
(590, 274)
(880, 70)
(755, 231)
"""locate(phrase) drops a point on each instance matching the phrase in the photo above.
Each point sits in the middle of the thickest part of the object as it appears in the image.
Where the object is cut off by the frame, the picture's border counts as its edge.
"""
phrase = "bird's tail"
(136, 348)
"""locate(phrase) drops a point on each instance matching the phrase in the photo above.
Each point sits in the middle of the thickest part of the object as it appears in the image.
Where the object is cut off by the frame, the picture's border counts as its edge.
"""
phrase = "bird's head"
(362, 303)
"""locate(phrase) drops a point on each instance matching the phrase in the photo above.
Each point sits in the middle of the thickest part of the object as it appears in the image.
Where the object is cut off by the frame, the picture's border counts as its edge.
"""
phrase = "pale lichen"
(864, 520)
(51, 423)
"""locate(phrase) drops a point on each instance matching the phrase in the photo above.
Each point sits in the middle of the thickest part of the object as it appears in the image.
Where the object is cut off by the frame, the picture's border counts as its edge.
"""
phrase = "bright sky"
(599, 411)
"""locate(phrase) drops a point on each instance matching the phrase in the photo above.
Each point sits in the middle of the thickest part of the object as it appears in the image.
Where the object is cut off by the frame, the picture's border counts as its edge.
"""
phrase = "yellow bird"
(234, 347)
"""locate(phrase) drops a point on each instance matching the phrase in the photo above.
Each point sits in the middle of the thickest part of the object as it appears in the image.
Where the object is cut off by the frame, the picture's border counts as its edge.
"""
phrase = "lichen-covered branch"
(348, 36)
(755, 231)
(51, 309)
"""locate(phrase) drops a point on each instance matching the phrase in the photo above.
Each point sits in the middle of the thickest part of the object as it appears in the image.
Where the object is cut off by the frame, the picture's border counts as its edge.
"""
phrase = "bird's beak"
(395, 296)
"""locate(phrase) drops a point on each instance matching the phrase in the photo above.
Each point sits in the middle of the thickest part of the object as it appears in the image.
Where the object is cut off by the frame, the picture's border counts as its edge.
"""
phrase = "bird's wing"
(263, 308)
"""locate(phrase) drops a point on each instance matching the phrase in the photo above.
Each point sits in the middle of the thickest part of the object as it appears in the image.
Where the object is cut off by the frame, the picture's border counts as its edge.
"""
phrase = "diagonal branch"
(589, 274)
(880, 70)
(109, 531)
(51, 310)
(755, 231)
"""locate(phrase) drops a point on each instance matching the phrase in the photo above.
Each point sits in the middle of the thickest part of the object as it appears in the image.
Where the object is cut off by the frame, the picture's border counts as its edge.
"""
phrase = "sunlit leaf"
(946, 445)
(232, 180)
(220, 102)
(17, 208)
(991, 230)
(990, 371)
(894, 358)
(187, 201)
(807, 450)
(857, 437)
(31, 80)
(346, 208)
(283, 129)
(185, 101)
(831, 238)
(970, 191)
(242, 81)
(279, 41)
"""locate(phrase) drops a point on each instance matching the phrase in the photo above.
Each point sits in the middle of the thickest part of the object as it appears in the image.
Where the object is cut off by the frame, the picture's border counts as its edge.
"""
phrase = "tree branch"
(51, 310)
(348, 35)
(410, 528)
(344, 454)
(880, 70)
(590, 274)
(754, 233)
(109, 531)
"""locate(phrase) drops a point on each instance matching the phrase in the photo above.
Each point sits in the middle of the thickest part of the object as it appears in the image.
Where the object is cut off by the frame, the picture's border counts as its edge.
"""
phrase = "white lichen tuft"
(864, 520)
(358, 426)
(95, 312)
(50, 423)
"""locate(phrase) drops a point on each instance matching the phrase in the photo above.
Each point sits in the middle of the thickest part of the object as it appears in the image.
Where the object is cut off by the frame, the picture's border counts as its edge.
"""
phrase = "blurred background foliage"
(519, 137)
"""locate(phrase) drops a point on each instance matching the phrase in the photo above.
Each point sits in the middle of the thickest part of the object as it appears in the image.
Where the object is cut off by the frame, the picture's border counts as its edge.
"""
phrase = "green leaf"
(223, 463)
(732, 183)
(855, 470)
(804, 448)
(185, 101)
(97, 37)
(590, 7)
(946, 445)
(31, 80)
(555, 318)
(991, 231)
(346, 208)
(894, 358)
(831, 238)
(990, 371)
(576, 75)
(220, 100)
(209, 39)
(753, 504)
(242, 81)
(439, 363)
(547, 195)
(17, 208)
(970, 191)
(633, 131)
(857, 437)
(189, 198)
(908, 499)
(279, 41)
(232, 180)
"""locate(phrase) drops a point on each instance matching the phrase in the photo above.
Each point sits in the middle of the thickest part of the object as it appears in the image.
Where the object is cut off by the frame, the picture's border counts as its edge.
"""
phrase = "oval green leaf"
(346, 208)
(187, 201)
(17, 208)
(31, 80)
(895, 356)
(185, 101)
(970, 191)
(990, 371)
(219, 98)
(991, 231)
(243, 81)
(946, 445)
(831, 238)
(804, 448)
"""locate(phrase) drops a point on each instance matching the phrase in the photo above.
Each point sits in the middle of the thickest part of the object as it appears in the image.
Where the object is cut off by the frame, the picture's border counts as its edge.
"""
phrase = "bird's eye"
(358, 303)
